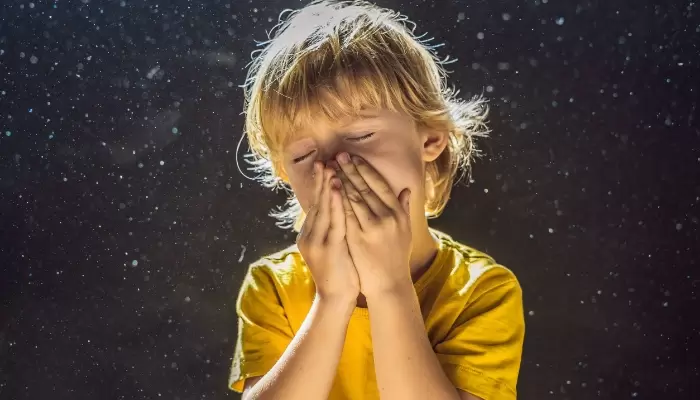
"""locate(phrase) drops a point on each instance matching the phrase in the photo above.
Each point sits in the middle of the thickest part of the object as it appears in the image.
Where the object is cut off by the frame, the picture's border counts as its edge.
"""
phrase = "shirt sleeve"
(482, 352)
(263, 328)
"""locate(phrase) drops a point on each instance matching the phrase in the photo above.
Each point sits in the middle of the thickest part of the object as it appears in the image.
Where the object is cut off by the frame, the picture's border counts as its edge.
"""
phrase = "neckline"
(420, 284)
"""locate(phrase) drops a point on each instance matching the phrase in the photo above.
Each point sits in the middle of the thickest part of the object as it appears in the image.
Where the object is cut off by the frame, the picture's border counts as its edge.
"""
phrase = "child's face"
(395, 149)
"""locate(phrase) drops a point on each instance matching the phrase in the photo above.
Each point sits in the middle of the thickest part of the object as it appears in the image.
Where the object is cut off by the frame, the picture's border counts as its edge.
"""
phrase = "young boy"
(349, 109)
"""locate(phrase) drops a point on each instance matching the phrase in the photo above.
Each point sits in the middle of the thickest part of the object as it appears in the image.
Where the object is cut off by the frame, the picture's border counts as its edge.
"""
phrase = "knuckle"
(318, 239)
(373, 231)
(354, 196)
(383, 223)
(365, 190)
(385, 215)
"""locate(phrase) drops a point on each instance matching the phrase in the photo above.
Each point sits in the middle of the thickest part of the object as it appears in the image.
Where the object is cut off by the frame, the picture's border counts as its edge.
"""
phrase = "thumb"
(405, 200)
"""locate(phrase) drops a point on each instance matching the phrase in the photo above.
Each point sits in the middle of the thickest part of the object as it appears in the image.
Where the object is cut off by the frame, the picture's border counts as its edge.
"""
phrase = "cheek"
(302, 184)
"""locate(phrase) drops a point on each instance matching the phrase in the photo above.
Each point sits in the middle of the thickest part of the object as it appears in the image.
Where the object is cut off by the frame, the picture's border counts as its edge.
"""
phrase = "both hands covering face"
(357, 234)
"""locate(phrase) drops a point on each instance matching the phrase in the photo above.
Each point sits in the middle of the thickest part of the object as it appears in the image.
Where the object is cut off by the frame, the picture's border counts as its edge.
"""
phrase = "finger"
(357, 203)
(318, 180)
(372, 201)
(336, 232)
(377, 183)
(313, 209)
(349, 213)
(323, 218)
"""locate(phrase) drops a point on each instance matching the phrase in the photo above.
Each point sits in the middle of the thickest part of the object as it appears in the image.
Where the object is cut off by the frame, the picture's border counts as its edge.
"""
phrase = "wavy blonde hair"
(332, 59)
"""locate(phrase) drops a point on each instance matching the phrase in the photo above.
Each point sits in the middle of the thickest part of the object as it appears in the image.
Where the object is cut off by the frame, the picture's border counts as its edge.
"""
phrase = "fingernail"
(335, 183)
(344, 158)
(356, 160)
(333, 164)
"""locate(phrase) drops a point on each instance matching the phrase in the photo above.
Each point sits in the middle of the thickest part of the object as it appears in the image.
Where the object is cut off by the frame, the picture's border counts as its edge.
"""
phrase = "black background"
(120, 269)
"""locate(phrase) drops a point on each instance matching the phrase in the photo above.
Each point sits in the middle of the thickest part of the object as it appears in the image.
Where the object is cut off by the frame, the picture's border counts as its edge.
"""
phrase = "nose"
(329, 159)
(333, 164)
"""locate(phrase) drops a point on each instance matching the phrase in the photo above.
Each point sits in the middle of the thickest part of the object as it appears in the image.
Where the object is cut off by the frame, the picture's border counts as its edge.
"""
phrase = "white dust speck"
(503, 66)
(152, 72)
(242, 253)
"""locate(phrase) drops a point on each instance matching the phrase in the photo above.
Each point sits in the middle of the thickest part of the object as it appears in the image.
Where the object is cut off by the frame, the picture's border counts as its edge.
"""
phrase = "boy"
(348, 108)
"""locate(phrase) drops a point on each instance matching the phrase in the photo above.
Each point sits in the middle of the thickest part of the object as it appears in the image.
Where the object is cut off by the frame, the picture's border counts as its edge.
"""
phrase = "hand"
(322, 243)
(378, 227)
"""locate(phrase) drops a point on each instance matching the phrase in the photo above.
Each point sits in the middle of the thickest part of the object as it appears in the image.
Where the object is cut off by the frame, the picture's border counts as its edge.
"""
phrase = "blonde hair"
(332, 59)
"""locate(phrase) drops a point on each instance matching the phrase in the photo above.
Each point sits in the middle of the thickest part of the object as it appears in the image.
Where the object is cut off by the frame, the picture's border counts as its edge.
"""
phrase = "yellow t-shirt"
(472, 309)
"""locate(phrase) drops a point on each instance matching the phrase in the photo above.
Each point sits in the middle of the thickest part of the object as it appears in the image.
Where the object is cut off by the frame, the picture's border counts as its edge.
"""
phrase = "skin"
(383, 195)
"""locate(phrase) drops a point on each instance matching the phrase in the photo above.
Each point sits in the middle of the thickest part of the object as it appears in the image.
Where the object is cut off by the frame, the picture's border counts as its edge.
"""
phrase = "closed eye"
(361, 138)
(357, 139)
(302, 158)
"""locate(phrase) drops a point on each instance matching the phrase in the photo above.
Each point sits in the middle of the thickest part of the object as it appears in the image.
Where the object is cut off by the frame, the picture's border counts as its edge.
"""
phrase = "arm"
(314, 352)
(406, 366)
(490, 324)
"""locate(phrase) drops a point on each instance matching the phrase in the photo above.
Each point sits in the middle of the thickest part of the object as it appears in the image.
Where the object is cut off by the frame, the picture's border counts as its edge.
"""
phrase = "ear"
(433, 144)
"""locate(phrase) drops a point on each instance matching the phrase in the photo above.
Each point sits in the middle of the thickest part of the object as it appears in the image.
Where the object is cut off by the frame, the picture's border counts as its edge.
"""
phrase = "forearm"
(307, 367)
(405, 364)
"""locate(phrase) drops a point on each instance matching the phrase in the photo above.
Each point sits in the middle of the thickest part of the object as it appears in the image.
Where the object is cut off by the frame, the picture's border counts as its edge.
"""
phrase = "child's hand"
(322, 243)
(378, 227)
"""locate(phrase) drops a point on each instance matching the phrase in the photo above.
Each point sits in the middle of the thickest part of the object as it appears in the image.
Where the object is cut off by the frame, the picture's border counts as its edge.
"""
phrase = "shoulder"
(281, 265)
(473, 272)
(278, 284)
(279, 271)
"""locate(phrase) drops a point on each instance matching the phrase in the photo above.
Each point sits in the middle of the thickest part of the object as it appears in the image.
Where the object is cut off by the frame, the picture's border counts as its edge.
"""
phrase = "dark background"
(120, 268)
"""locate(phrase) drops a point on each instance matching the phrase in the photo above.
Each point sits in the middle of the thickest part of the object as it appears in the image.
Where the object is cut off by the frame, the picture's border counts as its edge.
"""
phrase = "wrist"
(336, 302)
(399, 288)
